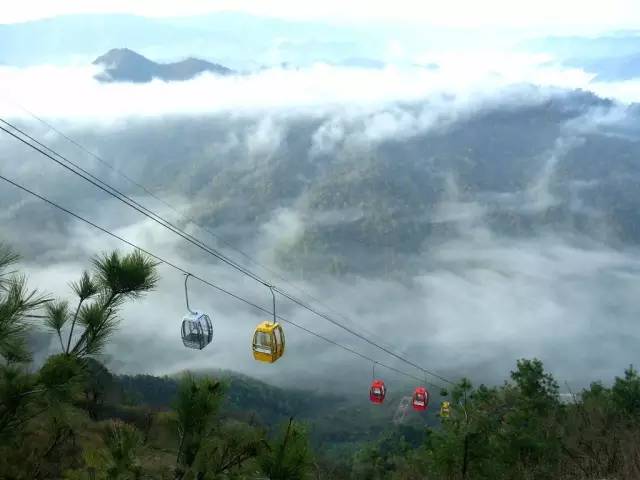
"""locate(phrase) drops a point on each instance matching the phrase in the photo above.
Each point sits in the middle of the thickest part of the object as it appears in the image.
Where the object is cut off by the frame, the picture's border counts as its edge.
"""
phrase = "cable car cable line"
(124, 198)
(186, 217)
(352, 332)
(137, 184)
(173, 227)
(82, 173)
(207, 282)
(160, 220)
(175, 210)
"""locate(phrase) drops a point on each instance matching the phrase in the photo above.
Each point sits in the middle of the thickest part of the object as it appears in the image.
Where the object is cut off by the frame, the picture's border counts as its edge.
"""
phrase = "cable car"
(445, 409)
(197, 329)
(420, 399)
(377, 392)
(268, 342)
(268, 339)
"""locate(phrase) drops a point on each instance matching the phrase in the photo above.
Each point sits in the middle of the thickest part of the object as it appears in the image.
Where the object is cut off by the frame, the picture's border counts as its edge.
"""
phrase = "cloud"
(73, 92)
(627, 90)
(264, 138)
(480, 302)
(242, 153)
(569, 14)
(531, 298)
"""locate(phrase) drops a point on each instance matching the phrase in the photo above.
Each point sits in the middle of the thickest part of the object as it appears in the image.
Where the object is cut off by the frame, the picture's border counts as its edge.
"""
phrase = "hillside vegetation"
(518, 168)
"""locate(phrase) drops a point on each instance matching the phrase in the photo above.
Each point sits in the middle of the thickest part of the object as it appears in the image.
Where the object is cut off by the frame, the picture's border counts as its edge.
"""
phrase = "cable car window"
(278, 336)
(262, 342)
(193, 335)
(281, 339)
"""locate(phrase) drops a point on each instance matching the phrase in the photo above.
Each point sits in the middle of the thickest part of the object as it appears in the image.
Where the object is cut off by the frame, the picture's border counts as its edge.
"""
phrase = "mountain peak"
(125, 65)
(119, 55)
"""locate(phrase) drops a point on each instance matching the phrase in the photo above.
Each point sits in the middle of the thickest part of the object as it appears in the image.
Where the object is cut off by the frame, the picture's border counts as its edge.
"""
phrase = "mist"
(466, 216)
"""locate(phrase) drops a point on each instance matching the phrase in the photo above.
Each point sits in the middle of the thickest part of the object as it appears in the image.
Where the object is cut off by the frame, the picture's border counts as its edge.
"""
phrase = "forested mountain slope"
(350, 194)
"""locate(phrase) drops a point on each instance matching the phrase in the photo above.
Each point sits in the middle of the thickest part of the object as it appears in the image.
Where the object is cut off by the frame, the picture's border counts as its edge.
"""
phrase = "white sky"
(586, 15)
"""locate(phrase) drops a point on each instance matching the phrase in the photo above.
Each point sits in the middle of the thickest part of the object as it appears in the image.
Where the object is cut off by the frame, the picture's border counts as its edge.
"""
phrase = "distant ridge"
(124, 65)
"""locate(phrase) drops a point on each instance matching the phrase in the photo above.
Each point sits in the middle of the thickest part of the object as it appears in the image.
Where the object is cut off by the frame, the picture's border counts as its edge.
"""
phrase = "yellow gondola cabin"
(268, 342)
(268, 339)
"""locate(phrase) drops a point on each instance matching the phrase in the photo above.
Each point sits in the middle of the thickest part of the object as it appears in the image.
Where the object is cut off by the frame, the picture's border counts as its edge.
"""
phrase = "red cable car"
(420, 399)
(377, 391)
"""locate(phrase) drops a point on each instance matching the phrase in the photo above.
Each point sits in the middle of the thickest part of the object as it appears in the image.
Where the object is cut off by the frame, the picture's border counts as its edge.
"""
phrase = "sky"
(557, 15)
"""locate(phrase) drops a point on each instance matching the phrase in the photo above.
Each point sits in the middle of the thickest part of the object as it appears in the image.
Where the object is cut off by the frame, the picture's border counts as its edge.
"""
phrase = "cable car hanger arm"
(186, 293)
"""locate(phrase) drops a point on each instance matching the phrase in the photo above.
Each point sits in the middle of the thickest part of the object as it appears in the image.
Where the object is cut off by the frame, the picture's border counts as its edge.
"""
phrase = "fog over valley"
(461, 207)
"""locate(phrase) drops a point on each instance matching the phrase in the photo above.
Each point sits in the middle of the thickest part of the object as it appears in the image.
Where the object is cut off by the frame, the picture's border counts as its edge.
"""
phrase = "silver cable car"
(197, 330)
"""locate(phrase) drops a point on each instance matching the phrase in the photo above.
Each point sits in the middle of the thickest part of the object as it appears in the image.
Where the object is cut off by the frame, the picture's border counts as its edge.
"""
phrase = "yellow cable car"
(445, 409)
(268, 339)
(268, 342)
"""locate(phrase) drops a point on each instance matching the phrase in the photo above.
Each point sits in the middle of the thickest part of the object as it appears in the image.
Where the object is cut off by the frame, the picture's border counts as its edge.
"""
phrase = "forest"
(70, 418)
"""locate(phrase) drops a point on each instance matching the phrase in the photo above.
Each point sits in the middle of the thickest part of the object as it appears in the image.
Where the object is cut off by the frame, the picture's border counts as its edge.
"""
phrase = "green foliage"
(100, 321)
(57, 315)
(196, 406)
(519, 420)
(16, 388)
(534, 384)
(156, 392)
(98, 385)
(85, 288)
(123, 443)
(130, 276)
(115, 278)
(377, 459)
(288, 457)
(229, 450)
(16, 302)
(19, 392)
(522, 430)
(38, 418)
(626, 392)
(61, 377)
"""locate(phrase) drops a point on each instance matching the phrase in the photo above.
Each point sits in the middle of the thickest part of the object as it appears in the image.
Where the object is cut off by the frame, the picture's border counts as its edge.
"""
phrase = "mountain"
(124, 65)
(520, 168)
(612, 57)
(334, 421)
(614, 68)
(614, 44)
(371, 208)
